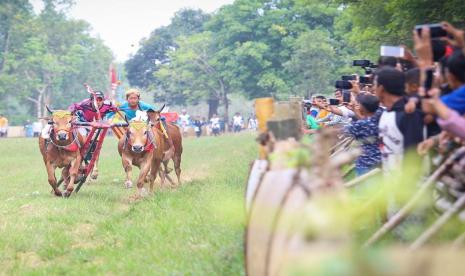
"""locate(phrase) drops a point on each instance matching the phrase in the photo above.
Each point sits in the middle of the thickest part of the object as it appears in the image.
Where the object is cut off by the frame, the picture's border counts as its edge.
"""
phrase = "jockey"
(87, 111)
(133, 104)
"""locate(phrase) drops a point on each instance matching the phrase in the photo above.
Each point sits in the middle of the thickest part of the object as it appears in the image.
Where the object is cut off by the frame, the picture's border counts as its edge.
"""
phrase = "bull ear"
(159, 111)
(48, 109)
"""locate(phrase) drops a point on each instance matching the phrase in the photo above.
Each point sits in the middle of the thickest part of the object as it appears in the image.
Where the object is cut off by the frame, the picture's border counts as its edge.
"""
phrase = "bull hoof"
(58, 193)
(128, 184)
(67, 194)
(94, 176)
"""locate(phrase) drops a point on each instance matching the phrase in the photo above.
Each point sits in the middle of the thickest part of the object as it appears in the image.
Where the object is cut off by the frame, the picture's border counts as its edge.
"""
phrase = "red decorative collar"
(73, 147)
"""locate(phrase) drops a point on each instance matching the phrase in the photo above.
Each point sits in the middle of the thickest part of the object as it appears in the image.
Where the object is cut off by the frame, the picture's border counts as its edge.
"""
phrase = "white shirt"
(392, 141)
(36, 127)
(184, 118)
(215, 122)
(237, 120)
(346, 112)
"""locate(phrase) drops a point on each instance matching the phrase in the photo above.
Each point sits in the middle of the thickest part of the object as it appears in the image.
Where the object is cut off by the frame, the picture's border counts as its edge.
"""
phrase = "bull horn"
(48, 109)
(159, 111)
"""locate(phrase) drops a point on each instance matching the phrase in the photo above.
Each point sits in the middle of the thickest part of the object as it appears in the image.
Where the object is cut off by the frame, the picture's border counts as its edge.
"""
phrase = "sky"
(123, 23)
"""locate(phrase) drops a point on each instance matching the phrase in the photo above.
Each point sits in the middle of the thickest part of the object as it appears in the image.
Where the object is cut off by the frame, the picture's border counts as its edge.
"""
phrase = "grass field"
(196, 229)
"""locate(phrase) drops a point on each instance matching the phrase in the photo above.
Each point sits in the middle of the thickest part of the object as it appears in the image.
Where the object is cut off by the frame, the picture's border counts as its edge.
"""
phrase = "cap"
(99, 94)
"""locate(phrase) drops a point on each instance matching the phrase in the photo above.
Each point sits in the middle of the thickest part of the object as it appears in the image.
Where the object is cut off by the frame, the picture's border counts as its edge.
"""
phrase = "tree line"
(253, 48)
(273, 47)
(45, 58)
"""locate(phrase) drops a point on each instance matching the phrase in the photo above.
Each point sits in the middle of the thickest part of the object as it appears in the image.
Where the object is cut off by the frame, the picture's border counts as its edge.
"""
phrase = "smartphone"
(349, 78)
(342, 84)
(361, 62)
(364, 80)
(435, 30)
(392, 51)
(428, 81)
(334, 102)
(346, 96)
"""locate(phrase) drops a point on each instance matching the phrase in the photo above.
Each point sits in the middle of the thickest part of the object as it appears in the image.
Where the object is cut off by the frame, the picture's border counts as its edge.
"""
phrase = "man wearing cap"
(88, 112)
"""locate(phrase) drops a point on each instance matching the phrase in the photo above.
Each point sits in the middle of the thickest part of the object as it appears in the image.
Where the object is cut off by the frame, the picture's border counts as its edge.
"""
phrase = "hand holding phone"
(346, 96)
(334, 102)
(342, 84)
(435, 30)
(428, 83)
(392, 51)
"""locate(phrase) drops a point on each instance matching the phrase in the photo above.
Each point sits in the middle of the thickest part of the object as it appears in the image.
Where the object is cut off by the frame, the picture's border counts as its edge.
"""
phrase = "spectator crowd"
(405, 103)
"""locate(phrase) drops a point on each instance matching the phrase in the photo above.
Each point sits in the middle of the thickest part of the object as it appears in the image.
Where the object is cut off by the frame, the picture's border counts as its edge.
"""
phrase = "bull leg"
(73, 172)
(166, 173)
(162, 174)
(94, 173)
(128, 170)
(65, 176)
(153, 172)
(52, 179)
(177, 167)
(144, 170)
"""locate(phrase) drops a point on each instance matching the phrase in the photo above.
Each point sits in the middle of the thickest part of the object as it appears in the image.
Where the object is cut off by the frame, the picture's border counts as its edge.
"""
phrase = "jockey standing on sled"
(134, 104)
(87, 112)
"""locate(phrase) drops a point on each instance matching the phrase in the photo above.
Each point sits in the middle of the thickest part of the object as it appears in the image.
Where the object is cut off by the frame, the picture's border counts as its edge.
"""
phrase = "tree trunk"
(226, 109)
(213, 104)
(5, 50)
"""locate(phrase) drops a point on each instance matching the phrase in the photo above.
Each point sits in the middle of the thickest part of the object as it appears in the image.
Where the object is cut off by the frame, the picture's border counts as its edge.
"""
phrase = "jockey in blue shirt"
(133, 103)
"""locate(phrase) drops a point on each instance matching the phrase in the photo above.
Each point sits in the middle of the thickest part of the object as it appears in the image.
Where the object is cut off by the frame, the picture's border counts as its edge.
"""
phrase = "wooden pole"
(354, 182)
(402, 214)
(458, 205)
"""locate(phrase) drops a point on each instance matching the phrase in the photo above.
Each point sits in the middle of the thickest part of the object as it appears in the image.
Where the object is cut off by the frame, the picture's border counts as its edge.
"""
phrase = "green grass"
(196, 229)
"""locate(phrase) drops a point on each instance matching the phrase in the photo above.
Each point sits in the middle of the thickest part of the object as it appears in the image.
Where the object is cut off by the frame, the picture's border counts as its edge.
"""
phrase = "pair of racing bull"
(145, 144)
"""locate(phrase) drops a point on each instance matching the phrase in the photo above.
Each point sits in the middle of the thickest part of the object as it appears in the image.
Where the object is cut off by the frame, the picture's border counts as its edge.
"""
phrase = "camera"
(349, 78)
(343, 84)
(361, 62)
(435, 30)
(365, 64)
(334, 102)
(365, 80)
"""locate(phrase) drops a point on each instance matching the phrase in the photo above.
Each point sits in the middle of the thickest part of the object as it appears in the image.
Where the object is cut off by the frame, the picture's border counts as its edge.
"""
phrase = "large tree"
(49, 58)
(153, 53)
(194, 74)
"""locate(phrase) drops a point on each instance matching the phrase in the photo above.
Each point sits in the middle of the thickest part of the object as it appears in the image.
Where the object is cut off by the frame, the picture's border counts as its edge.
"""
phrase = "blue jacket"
(456, 100)
(131, 113)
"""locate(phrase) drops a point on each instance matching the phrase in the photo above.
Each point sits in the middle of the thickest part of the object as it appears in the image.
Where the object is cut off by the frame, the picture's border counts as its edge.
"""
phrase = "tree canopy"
(45, 59)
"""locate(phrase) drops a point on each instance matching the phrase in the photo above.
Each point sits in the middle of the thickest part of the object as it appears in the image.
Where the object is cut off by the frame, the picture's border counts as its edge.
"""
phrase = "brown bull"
(172, 146)
(141, 146)
(61, 150)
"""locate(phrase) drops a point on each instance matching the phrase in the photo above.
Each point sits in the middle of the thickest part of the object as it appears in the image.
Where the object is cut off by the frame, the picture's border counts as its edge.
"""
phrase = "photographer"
(345, 108)
(365, 131)
(337, 114)
(398, 130)
(449, 108)
(311, 124)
